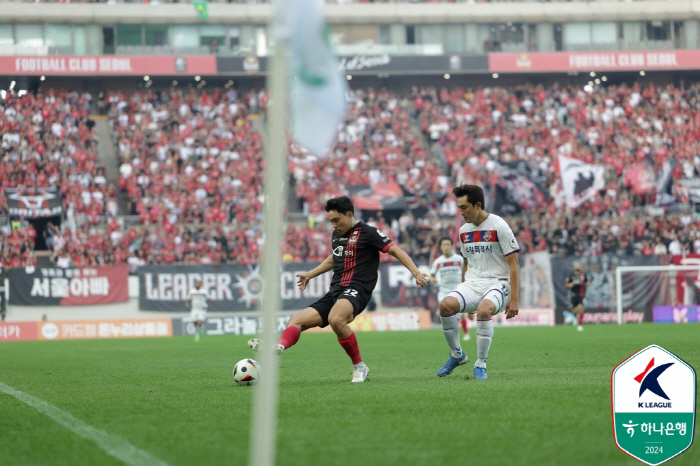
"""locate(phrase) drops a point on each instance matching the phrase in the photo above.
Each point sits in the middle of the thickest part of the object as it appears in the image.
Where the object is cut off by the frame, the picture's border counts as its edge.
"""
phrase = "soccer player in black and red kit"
(355, 262)
(577, 282)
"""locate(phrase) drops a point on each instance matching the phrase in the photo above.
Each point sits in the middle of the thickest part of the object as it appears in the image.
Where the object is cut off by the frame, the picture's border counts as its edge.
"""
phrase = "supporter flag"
(581, 181)
(317, 87)
(201, 8)
(664, 188)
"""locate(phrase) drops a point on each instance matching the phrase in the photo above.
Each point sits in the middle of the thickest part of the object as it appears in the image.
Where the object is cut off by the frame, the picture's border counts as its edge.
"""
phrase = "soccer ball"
(246, 372)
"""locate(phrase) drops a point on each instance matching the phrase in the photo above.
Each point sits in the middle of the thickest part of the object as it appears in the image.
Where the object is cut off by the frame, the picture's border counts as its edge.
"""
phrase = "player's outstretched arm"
(514, 304)
(321, 268)
(421, 278)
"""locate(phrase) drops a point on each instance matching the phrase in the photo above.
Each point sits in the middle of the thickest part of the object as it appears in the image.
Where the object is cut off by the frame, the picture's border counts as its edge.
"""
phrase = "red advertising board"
(108, 65)
(594, 61)
(12, 331)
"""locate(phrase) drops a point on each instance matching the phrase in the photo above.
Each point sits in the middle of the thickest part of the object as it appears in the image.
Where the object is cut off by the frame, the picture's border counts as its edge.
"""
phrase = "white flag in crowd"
(316, 84)
(664, 186)
(581, 181)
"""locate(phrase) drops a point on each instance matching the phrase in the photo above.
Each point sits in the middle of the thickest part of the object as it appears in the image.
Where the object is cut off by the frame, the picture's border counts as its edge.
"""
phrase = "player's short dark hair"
(445, 238)
(473, 192)
(341, 204)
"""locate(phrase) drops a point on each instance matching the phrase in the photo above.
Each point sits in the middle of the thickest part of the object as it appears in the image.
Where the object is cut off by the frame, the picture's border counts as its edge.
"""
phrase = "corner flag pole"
(264, 415)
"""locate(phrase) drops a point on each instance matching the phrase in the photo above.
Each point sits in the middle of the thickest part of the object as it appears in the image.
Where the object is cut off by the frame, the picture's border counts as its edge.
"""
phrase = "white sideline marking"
(113, 445)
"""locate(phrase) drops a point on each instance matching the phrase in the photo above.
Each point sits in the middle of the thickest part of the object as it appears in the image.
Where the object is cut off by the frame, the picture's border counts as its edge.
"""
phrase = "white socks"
(484, 335)
(450, 326)
(359, 365)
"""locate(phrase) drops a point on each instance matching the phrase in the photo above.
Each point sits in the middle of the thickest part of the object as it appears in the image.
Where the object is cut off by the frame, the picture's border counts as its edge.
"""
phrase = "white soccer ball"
(246, 372)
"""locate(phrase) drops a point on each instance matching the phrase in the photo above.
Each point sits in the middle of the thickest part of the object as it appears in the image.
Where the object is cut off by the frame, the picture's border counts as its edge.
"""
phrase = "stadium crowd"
(375, 145)
(48, 140)
(192, 166)
(188, 157)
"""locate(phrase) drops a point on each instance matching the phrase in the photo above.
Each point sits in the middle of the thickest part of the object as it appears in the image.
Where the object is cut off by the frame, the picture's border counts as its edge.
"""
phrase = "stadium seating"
(191, 165)
(48, 140)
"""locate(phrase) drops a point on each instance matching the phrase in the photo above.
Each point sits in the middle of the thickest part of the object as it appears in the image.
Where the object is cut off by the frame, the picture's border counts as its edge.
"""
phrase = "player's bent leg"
(449, 308)
(484, 335)
(302, 320)
(579, 314)
(342, 313)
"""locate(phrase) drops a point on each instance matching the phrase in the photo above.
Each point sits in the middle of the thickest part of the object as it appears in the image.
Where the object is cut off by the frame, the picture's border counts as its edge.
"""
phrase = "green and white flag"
(317, 86)
(201, 7)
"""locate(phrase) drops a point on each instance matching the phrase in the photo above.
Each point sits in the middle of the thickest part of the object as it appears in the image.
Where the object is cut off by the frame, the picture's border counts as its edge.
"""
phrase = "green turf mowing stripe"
(113, 445)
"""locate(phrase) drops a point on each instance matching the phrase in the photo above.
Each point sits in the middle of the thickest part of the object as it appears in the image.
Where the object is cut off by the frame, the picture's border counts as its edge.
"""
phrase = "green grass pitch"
(546, 402)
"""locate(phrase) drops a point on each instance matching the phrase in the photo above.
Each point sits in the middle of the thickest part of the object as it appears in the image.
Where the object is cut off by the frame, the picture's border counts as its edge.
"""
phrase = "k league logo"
(653, 405)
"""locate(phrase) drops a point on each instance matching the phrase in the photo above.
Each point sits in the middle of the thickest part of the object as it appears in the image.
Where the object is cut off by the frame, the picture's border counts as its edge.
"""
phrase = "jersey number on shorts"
(352, 293)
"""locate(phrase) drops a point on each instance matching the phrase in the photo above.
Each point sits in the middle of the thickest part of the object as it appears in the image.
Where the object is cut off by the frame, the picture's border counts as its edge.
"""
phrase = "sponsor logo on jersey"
(353, 236)
(479, 236)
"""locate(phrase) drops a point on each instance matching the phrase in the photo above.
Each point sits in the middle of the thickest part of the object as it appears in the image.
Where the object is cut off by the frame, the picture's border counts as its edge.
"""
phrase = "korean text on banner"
(81, 329)
(60, 287)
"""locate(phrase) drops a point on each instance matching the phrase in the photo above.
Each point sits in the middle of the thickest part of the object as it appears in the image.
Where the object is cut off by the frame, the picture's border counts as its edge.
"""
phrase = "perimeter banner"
(13, 331)
(386, 322)
(234, 325)
(594, 61)
(82, 329)
(62, 287)
(230, 287)
(600, 301)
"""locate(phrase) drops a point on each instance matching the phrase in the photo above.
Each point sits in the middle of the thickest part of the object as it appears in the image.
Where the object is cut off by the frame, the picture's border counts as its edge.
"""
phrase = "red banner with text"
(13, 331)
(108, 65)
(594, 61)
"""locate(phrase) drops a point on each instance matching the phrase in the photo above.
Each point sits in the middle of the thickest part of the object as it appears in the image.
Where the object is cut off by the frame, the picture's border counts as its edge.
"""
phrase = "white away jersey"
(486, 246)
(448, 271)
(198, 299)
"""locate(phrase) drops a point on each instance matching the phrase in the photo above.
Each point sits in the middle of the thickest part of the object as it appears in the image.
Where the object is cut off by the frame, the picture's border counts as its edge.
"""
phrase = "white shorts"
(198, 314)
(470, 294)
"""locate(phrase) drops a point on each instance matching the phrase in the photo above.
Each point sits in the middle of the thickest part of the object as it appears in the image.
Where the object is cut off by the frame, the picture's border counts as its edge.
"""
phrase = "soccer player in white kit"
(491, 278)
(447, 271)
(197, 301)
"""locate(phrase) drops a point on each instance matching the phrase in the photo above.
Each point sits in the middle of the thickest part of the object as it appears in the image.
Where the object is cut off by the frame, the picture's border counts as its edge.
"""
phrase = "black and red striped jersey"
(579, 280)
(356, 256)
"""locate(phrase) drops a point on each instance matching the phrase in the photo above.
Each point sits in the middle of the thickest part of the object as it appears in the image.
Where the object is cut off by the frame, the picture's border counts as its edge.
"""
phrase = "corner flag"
(316, 83)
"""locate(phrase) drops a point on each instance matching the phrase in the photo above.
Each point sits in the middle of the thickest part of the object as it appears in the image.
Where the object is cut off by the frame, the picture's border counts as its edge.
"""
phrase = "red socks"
(349, 344)
(465, 326)
(289, 337)
(580, 318)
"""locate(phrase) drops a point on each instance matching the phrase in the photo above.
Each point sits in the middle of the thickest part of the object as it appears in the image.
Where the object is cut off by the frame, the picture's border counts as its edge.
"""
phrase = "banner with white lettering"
(230, 287)
(107, 65)
(34, 203)
(233, 325)
(504, 62)
(44, 286)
